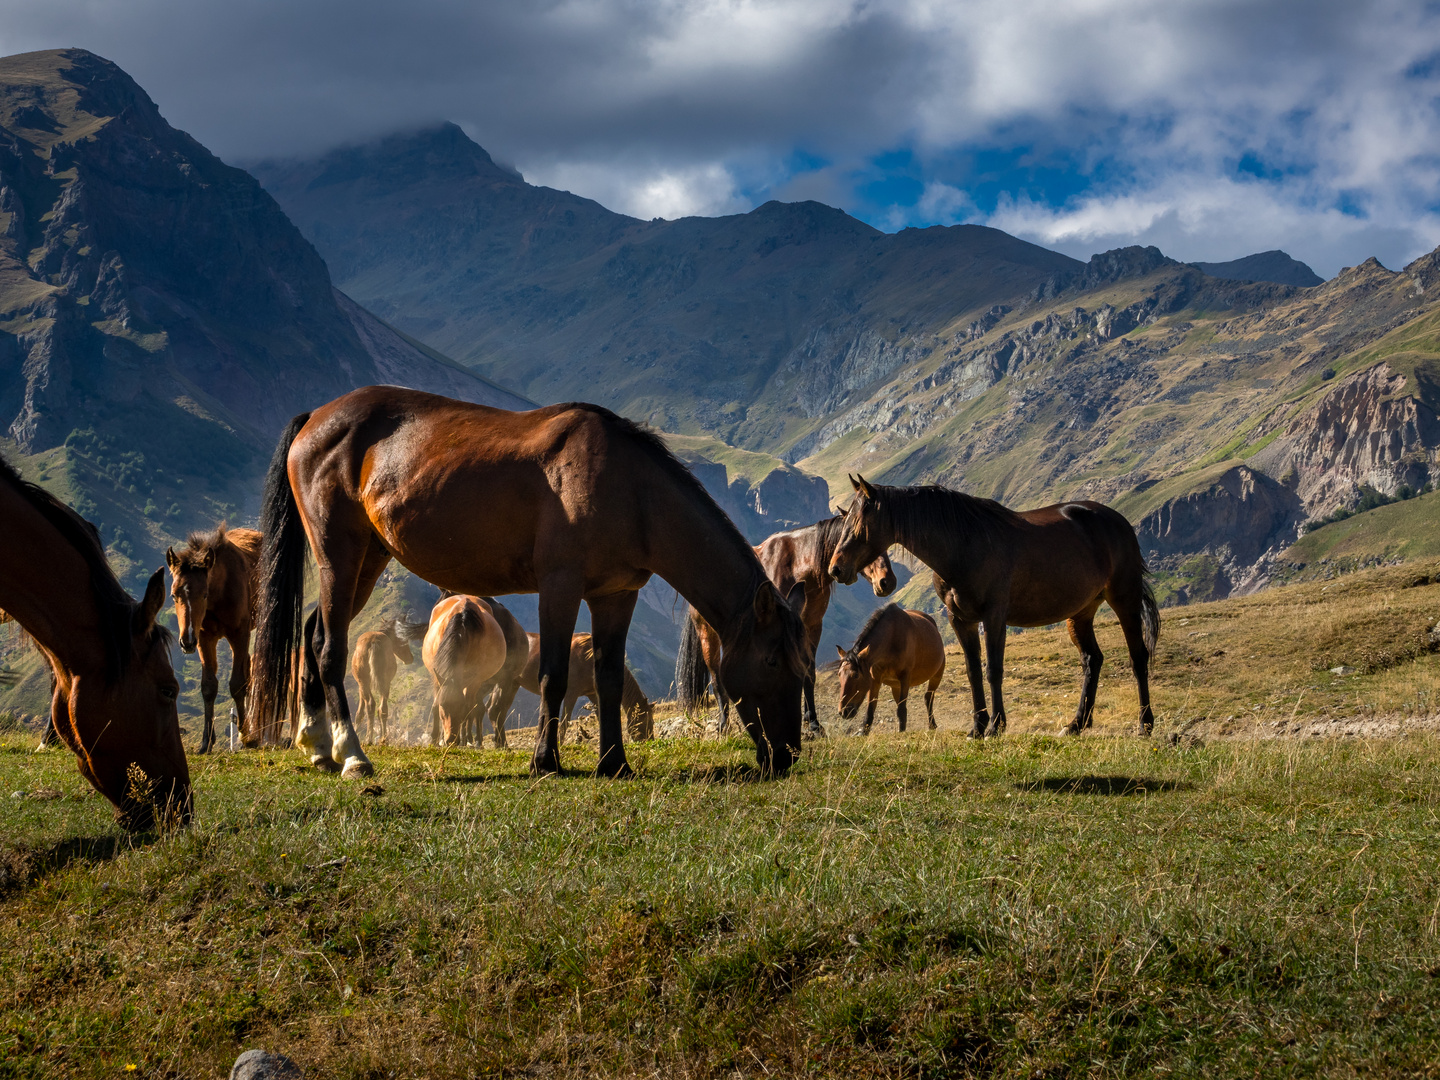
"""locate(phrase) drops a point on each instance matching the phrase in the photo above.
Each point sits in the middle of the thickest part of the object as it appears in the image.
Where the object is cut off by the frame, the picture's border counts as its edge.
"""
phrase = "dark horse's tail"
(283, 549)
(1149, 611)
(691, 674)
(464, 625)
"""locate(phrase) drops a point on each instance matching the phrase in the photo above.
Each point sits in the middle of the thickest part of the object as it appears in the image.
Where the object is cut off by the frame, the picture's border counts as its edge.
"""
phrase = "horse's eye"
(169, 693)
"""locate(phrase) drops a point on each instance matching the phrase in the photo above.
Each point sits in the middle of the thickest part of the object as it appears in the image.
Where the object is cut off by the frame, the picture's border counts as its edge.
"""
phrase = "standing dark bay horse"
(895, 648)
(800, 557)
(570, 501)
(213, 583)
(115, 689)
(1000, 568)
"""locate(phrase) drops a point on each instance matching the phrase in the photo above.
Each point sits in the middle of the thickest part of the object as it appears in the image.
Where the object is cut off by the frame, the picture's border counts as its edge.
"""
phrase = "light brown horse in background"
(115, 689)
(798, 558)
(378, 655)
(897, 648)
(464, 648)
(213, 583)
(639, 712)
(570, 501)
(493, 694)
(1000, 568)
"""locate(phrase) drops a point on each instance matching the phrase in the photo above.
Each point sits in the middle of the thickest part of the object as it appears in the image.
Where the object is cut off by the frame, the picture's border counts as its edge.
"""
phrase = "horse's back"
(927, 647)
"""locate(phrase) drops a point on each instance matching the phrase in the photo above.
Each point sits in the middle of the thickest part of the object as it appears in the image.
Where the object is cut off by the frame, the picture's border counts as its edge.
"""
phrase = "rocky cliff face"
(134, 264)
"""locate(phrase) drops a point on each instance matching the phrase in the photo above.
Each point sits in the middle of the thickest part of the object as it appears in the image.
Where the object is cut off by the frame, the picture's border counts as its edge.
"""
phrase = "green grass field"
(909, 905)
(905, 906)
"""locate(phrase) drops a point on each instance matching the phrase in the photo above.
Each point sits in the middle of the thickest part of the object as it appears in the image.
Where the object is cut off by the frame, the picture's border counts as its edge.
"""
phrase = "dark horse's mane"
(797, 647)
(873, 621)
(825, 538)
(115, 605)
(923, 508)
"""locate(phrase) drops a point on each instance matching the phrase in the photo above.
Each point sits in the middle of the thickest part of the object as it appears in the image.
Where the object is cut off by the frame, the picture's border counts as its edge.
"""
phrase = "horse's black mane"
(115, 605)
(870, 623)
(929, 507)
(826, 538)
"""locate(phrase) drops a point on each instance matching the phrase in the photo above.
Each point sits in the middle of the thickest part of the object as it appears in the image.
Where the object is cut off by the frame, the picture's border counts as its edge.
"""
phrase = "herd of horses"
(571, 502)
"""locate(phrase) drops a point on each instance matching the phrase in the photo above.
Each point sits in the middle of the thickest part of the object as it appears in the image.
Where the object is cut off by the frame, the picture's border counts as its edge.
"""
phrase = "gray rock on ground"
(263, 1065)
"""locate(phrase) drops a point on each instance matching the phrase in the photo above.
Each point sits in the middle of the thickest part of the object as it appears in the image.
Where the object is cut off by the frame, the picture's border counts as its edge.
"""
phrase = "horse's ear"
(171, 559)
(863, 487)
(152, 603)
(853, 482)
(841, 651)
(796, 600)
(208, 559)
(765, 605)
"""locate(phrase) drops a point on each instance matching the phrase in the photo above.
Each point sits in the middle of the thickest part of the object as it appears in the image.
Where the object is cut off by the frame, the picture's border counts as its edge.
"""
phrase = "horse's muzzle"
(187, 645)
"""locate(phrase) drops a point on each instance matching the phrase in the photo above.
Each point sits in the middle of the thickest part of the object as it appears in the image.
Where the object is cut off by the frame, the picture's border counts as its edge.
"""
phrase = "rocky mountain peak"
(1121, 263)
(439, 154)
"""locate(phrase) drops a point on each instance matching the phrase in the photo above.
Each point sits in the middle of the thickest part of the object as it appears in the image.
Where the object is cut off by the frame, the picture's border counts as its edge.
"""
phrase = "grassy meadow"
(913, 905)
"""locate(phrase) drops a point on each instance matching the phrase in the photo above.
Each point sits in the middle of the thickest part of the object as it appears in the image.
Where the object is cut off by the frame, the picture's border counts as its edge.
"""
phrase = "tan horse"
(214, 586)
(800, 559)
(897, 648)
(464, 648)
(495, 699)
(378, 655)
(115, 690)
(570, 501)
(997, 568)
(639, 712)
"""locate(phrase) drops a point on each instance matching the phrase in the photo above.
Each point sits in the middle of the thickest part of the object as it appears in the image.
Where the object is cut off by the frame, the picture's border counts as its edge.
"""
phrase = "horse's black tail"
(464, 625)
(1149, 611)
(691, 674)
(281, 602)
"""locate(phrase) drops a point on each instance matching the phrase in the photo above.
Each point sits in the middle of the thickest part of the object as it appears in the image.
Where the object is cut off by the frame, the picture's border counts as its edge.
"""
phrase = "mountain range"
(163, 314)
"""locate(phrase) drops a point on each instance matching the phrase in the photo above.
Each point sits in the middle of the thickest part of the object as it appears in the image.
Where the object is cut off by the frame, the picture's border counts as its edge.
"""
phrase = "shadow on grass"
(22, 866)
(1104, 785)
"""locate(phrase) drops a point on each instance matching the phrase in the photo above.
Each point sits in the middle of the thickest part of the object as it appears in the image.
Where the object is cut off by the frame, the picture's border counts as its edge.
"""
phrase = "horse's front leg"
(995, 671)
(812, 728)
(609, 627)
(500, 711)
(870, 703)
(209, 687)
(901, 694)
(969, 635)
(240, 686)
(559, 607)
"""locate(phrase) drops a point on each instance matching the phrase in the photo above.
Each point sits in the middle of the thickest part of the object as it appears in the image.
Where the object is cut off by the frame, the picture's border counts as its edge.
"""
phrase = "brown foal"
(895, 648)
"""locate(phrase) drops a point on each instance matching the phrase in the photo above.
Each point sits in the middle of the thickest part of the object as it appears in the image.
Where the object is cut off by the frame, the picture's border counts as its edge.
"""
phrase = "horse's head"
(122, 722)
(399, 633)
(881, 575)
(763, 668)
(190, 586)
(855, 682)
(865, 537)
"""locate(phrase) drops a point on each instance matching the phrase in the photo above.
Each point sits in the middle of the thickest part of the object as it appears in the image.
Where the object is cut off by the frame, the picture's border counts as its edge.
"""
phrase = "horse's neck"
(934, 546)
(702, 557)
(56, 602)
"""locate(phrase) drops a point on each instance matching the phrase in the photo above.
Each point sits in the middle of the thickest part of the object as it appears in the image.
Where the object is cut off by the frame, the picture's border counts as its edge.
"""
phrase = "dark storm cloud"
(1211, 127)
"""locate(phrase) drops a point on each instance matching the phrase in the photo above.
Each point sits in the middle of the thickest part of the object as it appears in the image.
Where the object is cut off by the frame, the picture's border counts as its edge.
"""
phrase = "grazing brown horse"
(115, 690)
(571, 501)
(464, 648)
(639, 713)
(895, 648)
(213, 583)
(799, 557)
(378, 655)
(999, 568)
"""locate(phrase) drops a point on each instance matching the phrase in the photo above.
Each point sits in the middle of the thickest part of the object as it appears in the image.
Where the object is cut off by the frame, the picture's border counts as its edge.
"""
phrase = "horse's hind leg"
(355, 561)
(969, 635)
(609, 627)
(901, 694)
(500, 711)
(209, 689)
(1082, 633)
(930, 702)
(559, 607)
(240, 685)
(1130, 614)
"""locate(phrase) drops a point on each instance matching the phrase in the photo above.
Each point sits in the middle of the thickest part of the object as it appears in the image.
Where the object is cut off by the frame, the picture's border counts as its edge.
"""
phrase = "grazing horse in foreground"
(999, 568)
(378, 655)
(464, 648)
(895, 648)
(799, 557)
(115, 689)
(570, 501)
(639, 713)
(213, 583)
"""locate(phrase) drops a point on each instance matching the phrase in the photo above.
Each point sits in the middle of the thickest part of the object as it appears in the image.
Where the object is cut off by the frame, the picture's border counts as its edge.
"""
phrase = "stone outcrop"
(1241, 514)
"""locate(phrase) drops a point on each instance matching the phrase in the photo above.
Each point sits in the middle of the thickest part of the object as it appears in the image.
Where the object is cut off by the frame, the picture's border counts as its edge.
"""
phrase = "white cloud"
(645, 191)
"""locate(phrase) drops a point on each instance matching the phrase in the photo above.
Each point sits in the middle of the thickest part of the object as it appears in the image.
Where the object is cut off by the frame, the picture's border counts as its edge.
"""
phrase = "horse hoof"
(357, 767)
(624, 772)
(813, 732)
(325, 764)
(1070, 729)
